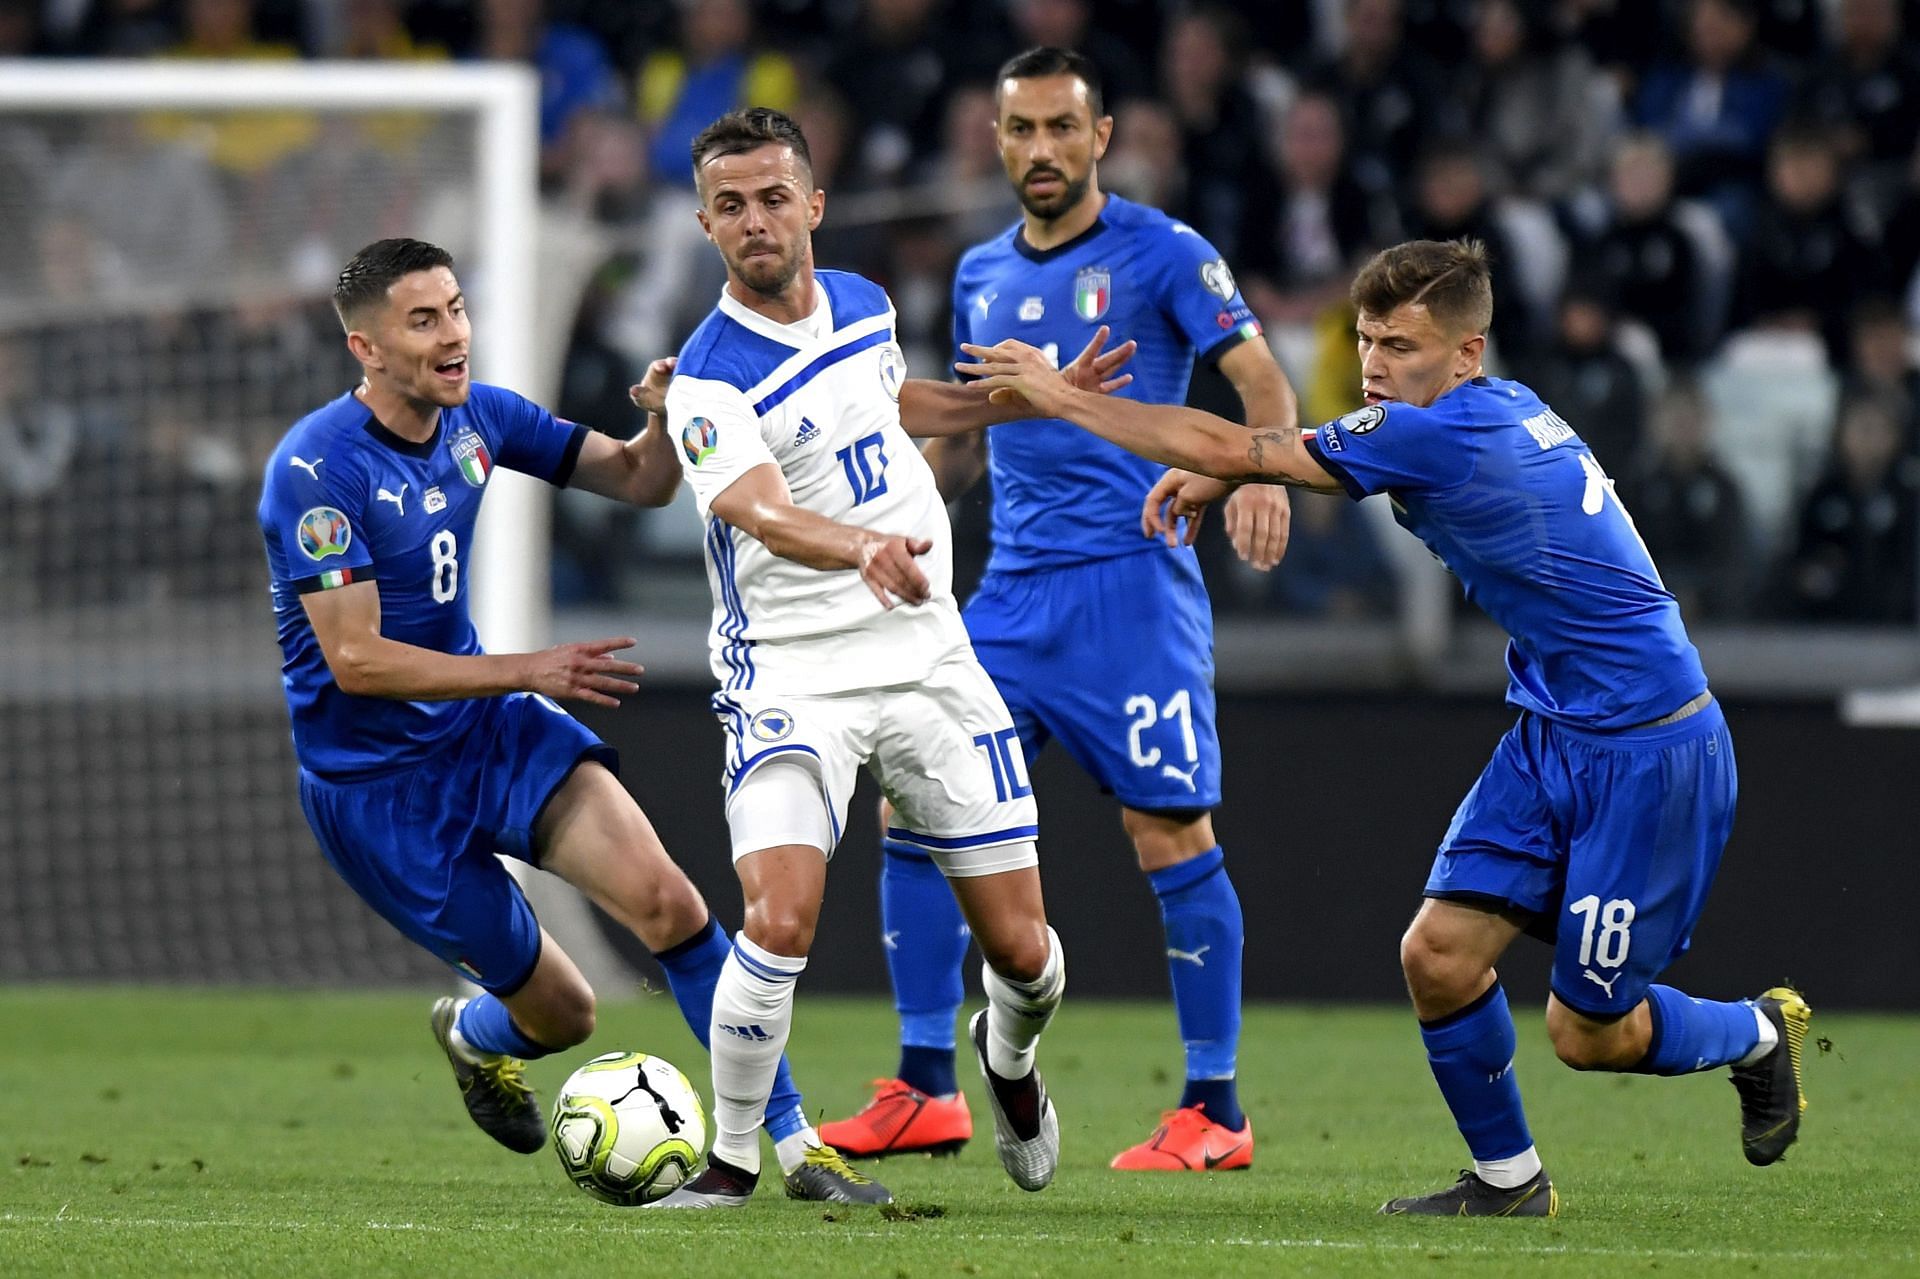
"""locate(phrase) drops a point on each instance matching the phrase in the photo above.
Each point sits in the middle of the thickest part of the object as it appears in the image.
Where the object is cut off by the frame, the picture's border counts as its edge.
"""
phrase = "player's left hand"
(1017, 376)
(650, 394)
(1259, 521)
(1092, 371)
(1179, 495)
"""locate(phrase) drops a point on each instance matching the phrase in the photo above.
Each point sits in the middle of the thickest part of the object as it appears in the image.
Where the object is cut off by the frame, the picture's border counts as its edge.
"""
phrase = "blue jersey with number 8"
(346, 500)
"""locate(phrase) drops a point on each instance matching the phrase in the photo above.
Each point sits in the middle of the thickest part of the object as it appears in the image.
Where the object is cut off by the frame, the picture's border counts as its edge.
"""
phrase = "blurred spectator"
(1882, 361)
(376, 30)
(1451, 203)
(1068, 24)
(1390, 94)
(1301, 243)
(246, 146)
(575, 72)
(1588, 381)
(1620, 37)
(1689, 510)
(1717, 109)
(1143, 160)
(123, 28)
(968, 165)
(1538, 110)
(20, 28)
(716, 69)
(128, 212)
(1867, 90)
(1644, 256)
(894, 71)
(602, 161)
(1806, 259)
(1855, 556)
(1222, 145)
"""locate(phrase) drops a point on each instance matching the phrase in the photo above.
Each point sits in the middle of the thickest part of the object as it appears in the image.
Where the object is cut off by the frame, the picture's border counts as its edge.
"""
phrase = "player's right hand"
(584, 671)
(887, 567)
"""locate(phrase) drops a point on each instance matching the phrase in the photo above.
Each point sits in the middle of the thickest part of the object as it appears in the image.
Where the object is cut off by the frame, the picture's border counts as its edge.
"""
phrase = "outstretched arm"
(642, 471)
(930, 409)
(366, 663)
(760, 505)
(1014, 372)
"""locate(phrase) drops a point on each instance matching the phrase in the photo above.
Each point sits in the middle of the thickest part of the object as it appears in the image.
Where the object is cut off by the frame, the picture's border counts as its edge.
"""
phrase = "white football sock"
(791, 1150)
(1769, 1039)
(1505, 1174)
(752, 1017)
(1018, 1011)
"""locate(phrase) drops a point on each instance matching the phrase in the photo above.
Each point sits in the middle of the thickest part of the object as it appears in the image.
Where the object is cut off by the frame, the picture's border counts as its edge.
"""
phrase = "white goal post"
(59, 657)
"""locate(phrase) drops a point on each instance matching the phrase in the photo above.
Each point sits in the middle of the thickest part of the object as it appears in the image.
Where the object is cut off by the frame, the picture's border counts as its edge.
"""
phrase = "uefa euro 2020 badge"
(699, 438)
(324, 531)
(893, 370)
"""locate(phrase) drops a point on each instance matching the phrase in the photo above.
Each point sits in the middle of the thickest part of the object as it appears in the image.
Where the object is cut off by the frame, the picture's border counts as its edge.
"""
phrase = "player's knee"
(780, 927)
(1020, 955)
(1436, 972)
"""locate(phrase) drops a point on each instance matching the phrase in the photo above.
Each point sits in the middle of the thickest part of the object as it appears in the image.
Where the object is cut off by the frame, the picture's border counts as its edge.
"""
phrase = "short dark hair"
(374, 269)
(1451, 278)
(1048, 60)
(738, 132)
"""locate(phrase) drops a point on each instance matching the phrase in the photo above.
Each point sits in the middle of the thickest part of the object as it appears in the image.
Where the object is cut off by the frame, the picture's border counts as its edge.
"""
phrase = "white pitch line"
(729, 1226)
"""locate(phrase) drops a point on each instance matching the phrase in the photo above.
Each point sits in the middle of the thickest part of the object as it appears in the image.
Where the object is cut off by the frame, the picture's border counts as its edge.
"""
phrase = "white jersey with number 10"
(819, 399)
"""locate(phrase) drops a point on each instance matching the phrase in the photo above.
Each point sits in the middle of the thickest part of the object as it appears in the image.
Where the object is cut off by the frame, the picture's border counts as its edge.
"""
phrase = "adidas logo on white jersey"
(807, 433)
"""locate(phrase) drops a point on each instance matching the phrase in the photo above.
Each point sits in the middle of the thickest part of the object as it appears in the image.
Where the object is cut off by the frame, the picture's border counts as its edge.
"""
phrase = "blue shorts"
(1609, 840)
(1115, 658)
(418, 845)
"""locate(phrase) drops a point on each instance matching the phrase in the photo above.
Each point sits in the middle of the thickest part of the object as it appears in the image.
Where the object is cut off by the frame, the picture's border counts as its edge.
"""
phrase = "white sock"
(752, 1017)
(1769, 1039)
(791, 1150)
(1505, 1174)
(1018, 1011)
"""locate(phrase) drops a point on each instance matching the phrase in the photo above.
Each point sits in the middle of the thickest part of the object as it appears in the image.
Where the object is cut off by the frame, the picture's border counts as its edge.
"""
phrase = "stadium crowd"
(1704, 215)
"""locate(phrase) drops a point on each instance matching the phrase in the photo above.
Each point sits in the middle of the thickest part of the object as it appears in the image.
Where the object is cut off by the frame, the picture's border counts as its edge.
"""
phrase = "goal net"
(171, 236)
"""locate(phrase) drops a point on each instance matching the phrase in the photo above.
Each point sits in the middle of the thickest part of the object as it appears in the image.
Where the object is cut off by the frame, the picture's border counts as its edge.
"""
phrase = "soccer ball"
(628, 1128)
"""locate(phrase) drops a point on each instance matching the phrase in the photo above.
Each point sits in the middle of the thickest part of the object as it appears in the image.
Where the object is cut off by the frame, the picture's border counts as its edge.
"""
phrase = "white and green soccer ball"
(628, 1128)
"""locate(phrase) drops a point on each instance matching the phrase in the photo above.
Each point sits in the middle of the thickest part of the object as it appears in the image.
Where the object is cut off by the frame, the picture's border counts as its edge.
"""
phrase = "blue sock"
(926, 943)
(1471, 1053)
(1205, 937)
(486, 1024)
(693, 968)
(1695, 1034)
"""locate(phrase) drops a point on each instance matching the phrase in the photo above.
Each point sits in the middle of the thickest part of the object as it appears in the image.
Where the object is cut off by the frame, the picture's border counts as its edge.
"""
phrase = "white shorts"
(944, 752)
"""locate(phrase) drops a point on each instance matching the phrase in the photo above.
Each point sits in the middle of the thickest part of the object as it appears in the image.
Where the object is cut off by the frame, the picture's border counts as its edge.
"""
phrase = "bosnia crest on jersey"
(471, 456)
(1092, 293)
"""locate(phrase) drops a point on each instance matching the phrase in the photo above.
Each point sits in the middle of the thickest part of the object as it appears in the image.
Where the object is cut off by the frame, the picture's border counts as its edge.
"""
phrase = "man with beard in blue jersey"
(421, 756)
(1600, 821)
(1093, 634)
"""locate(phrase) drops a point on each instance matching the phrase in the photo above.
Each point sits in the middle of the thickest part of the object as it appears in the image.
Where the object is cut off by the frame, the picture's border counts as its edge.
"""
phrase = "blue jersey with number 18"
(346, 500)
(1512, 500)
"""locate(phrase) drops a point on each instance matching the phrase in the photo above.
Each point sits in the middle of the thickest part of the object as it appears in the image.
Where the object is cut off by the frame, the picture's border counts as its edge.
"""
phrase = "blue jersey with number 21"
(1512, 500)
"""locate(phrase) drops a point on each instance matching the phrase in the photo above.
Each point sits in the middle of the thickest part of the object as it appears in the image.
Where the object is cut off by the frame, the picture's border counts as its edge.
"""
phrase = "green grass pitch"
(162, 1132)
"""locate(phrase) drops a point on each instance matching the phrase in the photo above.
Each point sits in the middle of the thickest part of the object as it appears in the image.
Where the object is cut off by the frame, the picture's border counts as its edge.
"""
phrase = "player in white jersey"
(838, 644)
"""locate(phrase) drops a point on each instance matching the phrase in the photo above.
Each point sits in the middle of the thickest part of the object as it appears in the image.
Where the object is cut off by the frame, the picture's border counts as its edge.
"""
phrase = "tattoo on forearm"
(1257, 455)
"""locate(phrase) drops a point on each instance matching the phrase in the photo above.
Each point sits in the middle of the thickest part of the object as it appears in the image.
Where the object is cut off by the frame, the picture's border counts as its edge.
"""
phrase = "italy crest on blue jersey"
(1062, 496)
